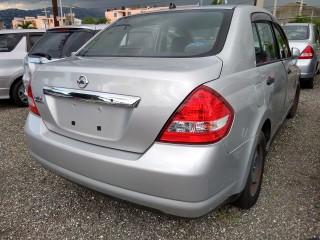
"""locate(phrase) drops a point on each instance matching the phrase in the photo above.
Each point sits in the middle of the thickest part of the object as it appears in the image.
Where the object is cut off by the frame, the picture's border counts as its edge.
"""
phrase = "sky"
(35, 4)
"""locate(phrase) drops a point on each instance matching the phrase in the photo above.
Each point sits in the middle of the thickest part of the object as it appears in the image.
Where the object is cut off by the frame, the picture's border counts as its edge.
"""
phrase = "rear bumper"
(187, 181)
(308, 67)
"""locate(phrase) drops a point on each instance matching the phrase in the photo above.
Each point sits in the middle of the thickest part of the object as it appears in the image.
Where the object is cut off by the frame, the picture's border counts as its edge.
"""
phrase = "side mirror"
(295, 53)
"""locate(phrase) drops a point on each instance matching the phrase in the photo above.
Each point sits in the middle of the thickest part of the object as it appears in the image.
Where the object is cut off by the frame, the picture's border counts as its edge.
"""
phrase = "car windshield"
(164, 34)
(61, 43)
(296, 32)
(9, 41)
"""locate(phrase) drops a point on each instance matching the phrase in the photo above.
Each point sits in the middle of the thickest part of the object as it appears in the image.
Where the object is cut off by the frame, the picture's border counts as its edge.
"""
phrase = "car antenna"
(172, 6)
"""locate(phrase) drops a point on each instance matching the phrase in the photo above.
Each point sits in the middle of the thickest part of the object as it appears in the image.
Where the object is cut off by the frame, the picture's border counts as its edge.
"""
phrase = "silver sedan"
(174, 110)
(305, 37)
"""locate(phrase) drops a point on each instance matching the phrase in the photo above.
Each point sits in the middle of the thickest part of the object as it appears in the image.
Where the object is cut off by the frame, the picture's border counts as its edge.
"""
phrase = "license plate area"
(88, 119)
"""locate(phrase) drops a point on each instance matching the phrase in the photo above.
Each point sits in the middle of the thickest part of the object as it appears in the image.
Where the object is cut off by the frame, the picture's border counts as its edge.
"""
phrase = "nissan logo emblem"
(82, 81)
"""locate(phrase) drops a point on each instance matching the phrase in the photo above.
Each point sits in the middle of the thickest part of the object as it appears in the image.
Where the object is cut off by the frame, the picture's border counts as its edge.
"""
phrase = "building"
(290, 11)
(260, 3)
(43, 22)
(123, 12)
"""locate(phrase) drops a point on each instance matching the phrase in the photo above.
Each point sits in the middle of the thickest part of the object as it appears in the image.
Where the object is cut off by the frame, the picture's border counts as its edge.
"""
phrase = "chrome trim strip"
(93, 97)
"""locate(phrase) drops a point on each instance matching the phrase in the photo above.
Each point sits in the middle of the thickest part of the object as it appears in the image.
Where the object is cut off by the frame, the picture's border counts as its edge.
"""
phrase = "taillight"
(203, 117)
(307, 53)
(32, 105)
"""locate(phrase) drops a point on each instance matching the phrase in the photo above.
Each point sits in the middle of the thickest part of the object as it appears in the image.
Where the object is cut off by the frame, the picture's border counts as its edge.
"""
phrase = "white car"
(14, 45)
(57, 43)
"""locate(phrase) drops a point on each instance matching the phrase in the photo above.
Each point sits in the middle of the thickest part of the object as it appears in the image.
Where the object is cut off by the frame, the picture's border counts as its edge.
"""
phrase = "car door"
(293, 73)
(273, 74)
(317, 42)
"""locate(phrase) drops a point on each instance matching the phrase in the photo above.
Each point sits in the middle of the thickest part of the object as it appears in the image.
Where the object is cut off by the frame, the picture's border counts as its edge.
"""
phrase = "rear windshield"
(61, 43)
(296, 32)
(9, 41)
(164, 34)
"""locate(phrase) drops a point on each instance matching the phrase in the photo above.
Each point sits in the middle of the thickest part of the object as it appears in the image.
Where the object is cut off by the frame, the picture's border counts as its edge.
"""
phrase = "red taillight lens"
(307, 53)
(204, 117)
(32, 105)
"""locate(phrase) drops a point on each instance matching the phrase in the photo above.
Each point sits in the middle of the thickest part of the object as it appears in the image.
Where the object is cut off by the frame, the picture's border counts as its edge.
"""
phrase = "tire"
(310, 83)
(250, 194)
(293, 110)
(17, 94)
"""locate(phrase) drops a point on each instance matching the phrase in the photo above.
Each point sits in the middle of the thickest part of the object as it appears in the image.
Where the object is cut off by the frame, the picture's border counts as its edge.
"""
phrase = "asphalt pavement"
(37, 204)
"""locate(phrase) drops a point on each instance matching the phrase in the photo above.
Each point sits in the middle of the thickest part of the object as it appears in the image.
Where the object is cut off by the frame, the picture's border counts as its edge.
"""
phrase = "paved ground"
(34, 203)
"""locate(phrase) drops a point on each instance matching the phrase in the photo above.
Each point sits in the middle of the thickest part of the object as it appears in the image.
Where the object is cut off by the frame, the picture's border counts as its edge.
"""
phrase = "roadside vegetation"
(305, 19)
(91, 20)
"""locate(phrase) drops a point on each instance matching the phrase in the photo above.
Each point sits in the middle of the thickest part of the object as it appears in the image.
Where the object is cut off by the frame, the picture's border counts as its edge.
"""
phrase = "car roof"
(8, 31)
(206, 7)
(297, 24)
(85, 26)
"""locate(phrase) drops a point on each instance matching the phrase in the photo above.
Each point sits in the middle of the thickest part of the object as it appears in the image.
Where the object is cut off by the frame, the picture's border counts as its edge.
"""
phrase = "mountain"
(7, 16)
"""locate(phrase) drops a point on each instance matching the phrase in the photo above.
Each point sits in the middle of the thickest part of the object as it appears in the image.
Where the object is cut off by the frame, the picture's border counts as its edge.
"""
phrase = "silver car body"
(309, 67)
(30, 62)
(11, 63)
(132, 98)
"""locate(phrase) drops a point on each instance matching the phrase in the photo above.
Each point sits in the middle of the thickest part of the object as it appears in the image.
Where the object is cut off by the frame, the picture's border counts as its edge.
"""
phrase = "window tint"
(9, 41)
(58, 44)
(316, 34)
(296, 32)
(264, 44)
(260, 55)
(33, 39)
(182, 34)
(284, 51)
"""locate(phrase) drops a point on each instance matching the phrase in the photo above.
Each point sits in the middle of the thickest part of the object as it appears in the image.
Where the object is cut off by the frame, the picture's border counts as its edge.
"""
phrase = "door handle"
(270, 80)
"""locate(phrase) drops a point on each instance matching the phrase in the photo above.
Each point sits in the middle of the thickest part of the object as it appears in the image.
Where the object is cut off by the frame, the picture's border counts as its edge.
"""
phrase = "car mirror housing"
(295, 54)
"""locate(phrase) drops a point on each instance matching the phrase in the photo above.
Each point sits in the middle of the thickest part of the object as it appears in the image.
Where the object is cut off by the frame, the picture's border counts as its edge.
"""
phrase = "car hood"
(158, 85)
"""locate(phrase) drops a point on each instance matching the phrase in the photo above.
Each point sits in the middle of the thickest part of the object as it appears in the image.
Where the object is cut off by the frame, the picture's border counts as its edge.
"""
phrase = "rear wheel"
(18, 94)
(310, 82)
(250, 194)
(294, 107)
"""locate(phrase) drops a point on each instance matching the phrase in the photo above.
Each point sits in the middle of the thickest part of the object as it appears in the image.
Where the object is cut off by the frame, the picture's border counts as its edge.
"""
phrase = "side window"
(267, 43)
(9, 41)
(260, 55)
(283, 46)
(316, 33)
(33, 39)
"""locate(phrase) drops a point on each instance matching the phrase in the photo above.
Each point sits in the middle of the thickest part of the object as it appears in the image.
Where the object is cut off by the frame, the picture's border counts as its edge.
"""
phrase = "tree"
(91, 20)
(25, 25)
(305, 19)
(217, 2)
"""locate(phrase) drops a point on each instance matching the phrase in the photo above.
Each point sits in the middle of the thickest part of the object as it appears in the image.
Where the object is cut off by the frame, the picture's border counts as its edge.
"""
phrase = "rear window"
(296, 32)
(61, 43)
(164, 34)
(9, 41)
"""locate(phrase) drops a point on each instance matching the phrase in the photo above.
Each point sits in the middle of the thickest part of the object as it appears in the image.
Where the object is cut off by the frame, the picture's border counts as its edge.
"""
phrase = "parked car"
(305, 37)
(178, 117)
(57, 43)
(14, 45)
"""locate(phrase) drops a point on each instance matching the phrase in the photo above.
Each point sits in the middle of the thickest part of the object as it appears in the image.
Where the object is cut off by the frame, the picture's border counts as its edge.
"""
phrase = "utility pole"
(61, 13)
(55, 12)
(301, 5)
(71, 15)
(275, 8)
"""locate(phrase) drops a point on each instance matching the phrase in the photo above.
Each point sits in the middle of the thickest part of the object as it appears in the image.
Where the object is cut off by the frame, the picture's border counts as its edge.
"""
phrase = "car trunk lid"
(120, 103)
